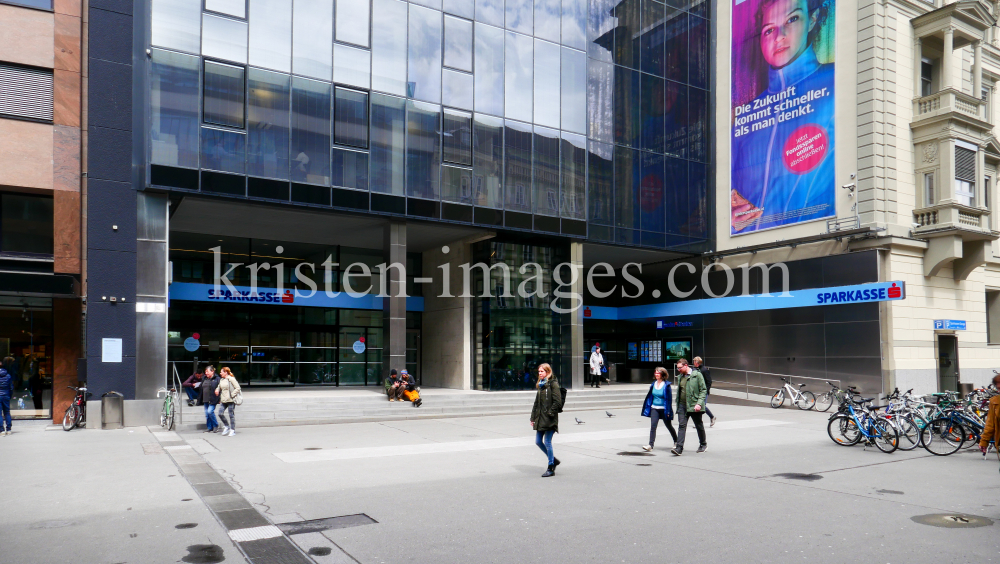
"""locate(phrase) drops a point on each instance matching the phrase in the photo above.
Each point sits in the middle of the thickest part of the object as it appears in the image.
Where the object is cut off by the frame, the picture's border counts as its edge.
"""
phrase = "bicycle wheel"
(843, 430)
(170, 416)
(942, 436)
(824, 401)
(71, 417)
(909, 432)
(885, 435)
(806, 401)
(778, 399)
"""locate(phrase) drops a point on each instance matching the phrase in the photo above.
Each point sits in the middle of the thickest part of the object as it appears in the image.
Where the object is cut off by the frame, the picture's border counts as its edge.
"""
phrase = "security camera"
(915, 225)
(850, 187)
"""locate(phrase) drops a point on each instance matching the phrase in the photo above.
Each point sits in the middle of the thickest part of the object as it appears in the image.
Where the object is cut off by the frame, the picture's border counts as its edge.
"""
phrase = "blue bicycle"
(858, 420)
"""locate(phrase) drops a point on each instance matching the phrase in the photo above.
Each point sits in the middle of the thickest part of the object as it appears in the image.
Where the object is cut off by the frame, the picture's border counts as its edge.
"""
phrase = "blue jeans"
(192, 393)
(5, 412)
(210, 419)
(544, 441)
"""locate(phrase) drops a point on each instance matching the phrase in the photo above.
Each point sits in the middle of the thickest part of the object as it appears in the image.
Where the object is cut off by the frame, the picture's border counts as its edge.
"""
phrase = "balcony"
(950, 104)
(957, 235)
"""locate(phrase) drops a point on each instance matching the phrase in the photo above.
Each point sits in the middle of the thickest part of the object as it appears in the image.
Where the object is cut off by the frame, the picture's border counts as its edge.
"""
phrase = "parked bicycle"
(76, 413)
(955, 425)
(860, 420)
(167, 412)
(826, 400)
(803, 399)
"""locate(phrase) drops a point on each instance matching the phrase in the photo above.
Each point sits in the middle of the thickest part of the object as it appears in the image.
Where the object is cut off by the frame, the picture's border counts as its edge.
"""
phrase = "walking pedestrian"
(690, 405)
(706, 373)
(596, 366)
(659, 407)
(6, 391)
(545, 414)
(209, 399)
(991, 432)
(227, 391)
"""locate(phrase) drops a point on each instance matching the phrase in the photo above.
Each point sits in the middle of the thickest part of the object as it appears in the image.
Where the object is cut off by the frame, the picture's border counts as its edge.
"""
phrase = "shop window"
(350, 118)
(225, 94)
(993, 316)
(26, 93)
(965, 176)
(25, 224)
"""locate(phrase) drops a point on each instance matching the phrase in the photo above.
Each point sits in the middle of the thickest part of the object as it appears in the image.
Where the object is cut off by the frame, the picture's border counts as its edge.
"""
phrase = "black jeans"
(655, 416)
(682, 421)
(707, 410)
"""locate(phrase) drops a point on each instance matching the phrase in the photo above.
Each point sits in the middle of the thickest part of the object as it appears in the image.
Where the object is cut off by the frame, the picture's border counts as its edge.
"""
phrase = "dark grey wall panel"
(111, 273)
(801, 274)
(110, 155)
(106, 376)
(111, 203)
(806, 366)
(791, 340)
(114, 107)
(107, 320)
(791, 316)
(111, 38)
(851, 312)
(850, 268)
(734, 319)
(119, 6)
(731, 342)
(861, 338)
(865, 373)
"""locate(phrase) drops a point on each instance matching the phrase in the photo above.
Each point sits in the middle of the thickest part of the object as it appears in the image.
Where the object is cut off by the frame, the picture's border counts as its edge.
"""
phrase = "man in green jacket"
(691, 391)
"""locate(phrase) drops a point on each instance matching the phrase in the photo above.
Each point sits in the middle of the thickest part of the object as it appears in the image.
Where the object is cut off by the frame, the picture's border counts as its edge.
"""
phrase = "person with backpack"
(210, 399)
(706, 373)
(545, 414)
(6, 391)
(659, 407)
(230, 396)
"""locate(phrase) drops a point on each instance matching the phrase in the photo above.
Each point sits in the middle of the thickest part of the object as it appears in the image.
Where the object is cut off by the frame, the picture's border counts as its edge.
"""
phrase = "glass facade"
(592, 115)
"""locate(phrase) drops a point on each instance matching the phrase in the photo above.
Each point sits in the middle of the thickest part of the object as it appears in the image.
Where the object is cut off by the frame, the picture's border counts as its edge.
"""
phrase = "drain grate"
(799, 476)
(952, 520)
(319, 525)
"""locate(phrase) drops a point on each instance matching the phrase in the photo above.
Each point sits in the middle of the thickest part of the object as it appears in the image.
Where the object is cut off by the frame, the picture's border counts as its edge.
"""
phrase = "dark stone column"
(394, 303)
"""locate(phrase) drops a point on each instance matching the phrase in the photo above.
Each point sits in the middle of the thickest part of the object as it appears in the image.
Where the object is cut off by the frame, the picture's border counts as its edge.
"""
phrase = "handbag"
(604, 369)
(238, 398)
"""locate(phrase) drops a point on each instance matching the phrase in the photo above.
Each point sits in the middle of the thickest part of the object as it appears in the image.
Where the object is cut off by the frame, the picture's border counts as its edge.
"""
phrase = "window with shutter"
(965, 176)
(25, 93)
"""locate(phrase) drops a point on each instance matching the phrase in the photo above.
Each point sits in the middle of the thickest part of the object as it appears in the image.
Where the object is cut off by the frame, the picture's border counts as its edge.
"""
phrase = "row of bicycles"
(941, 423)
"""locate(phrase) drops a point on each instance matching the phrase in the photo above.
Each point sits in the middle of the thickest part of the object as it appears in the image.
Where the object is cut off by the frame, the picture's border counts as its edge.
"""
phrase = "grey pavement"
(771, 488)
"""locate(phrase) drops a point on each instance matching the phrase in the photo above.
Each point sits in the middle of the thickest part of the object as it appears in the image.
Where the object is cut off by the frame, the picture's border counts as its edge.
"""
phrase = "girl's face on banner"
(784, 33)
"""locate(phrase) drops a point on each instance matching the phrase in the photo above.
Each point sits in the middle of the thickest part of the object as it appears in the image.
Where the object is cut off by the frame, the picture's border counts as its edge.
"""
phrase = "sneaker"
(419, 402)
(712, 424)
(232, 432)
(209, 430)
(225, 430)
(647, 448)
(702, 448)
(217, 430)
(675, 451)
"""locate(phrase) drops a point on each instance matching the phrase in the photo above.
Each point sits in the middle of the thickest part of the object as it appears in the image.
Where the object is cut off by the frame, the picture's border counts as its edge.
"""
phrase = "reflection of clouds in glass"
(312, 38)
(352, 66)
(271, 34)
(352, 21)
(518, 16)
(224, 38)
(489, 63)
(547, 19)
(600, 26)
(424, 67)
(456, 89)
(600, 87)
(574, 23)
(546, 83)
(574, 91)
(490, 11)
(389, 46)
(518, 76)
(458, 43)
(464, 8)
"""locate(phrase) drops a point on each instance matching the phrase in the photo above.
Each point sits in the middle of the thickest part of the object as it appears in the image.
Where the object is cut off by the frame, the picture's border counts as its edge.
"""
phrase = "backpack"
(562, 391)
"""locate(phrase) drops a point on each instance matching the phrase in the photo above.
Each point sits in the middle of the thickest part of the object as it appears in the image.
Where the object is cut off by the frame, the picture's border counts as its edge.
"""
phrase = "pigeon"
(578, 422)
(610, 414)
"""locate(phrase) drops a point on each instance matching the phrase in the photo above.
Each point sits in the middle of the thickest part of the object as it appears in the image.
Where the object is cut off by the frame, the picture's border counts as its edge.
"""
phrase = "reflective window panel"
(350, 118)
(518, 85)
(223, 150)
(312, 39)
(434, 4)
(350, 169)
(458, 43)
(352, 66)
(677, 194)
(546, 171)
(601, 24)
(268, 102)
(626, 107)
(424, 68)
(651, 42)
(573, 169)
(698, 104)
(518, 16)
(224, 94)
(547, 19)
(627, 34)
(675, 38)
(627, 172)
(456, 89)
(487, 144)
(224, 38)
(699, 36)
(423, 149)
(271, 34)
(176, 24)
(456, 184)
(547, 77)
(456, 137)
(464, 8)
(490, 12)
(517, 166)
(389, 46)
(600, 184)
(651, 192)
(675, 119)
(352, 21)
(652, 126)
(174, 108)
(388, 137)
(489, 83)
(600, 95)
(573, 90)
(695, 223)
(237, 8)
(311, 103)
(574, 23)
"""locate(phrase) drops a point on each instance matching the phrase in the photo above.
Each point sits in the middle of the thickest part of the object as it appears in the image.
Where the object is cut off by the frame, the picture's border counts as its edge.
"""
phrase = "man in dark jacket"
(192, 386)
(706, 373)
(209, 399)
(394, 386)
(690, 405)
(6, 391)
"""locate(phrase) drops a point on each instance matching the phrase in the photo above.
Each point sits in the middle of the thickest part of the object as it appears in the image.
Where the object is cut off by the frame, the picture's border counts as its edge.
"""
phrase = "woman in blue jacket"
(659, 406)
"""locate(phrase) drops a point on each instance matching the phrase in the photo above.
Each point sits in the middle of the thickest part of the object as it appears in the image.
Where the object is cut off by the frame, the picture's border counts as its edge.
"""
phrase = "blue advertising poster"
(783, 113)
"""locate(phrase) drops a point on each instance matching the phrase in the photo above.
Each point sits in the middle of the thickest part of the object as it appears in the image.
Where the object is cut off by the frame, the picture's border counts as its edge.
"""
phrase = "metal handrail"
(746, 379)
(179, 385)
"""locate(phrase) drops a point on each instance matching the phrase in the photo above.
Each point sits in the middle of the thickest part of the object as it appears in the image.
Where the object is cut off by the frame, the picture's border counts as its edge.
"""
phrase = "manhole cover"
(952, 520)
(799, 476)
(630, 453)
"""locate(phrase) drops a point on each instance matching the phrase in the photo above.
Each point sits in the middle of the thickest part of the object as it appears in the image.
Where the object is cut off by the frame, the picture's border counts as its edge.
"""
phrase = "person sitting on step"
(394, 386)
(410, 390)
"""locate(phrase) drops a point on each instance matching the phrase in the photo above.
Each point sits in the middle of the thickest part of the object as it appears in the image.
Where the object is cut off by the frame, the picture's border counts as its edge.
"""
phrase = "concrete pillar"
(946, 187)
(977, 70)
(394, 302)
(150, 297)
(66, 328)
(980, 176)
(446, 357)
(947, 55)
(572, 324)
(918, 57)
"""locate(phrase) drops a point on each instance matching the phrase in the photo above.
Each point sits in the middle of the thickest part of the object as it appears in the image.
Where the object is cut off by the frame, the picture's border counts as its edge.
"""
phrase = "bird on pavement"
(610, 414)
(578, 422)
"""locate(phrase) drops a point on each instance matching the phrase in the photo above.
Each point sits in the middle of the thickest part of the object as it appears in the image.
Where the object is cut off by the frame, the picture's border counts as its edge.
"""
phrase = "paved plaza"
(771, 488)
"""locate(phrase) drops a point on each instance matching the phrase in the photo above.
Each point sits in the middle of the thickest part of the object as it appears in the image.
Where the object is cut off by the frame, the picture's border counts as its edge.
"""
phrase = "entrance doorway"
(26, 347)
(947, 363)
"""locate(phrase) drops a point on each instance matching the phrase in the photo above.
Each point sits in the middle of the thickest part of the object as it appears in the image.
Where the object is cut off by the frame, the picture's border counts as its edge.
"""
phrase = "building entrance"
(26, 346)
(947, 363)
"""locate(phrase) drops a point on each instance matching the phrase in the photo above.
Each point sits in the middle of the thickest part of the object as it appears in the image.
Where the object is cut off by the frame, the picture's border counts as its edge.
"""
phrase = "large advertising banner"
(783, 113)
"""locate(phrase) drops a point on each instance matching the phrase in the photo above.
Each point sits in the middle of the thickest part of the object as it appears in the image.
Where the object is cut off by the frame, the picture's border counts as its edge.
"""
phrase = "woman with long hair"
(659, 406)
(227, 390)
(545, 414)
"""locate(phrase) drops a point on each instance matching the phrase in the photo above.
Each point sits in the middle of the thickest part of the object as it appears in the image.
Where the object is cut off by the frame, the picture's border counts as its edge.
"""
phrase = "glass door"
(352, 346)
(947, 363)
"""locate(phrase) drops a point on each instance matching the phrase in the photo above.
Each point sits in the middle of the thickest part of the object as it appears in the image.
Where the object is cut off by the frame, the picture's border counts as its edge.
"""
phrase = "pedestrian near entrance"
(659, 407)
(690, 405)
(227, 391)
(6, 391)
(706, 373)
(545, 414)
(209, 399)
(992, 431)
(192, 386)
(596, 366)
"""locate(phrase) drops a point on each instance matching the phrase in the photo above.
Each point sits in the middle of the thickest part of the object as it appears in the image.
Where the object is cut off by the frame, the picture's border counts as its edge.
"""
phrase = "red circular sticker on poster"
(650, 193)
(805, 148)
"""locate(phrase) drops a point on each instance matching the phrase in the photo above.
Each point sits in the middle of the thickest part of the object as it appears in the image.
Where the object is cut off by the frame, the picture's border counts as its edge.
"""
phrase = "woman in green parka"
(545, 414)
